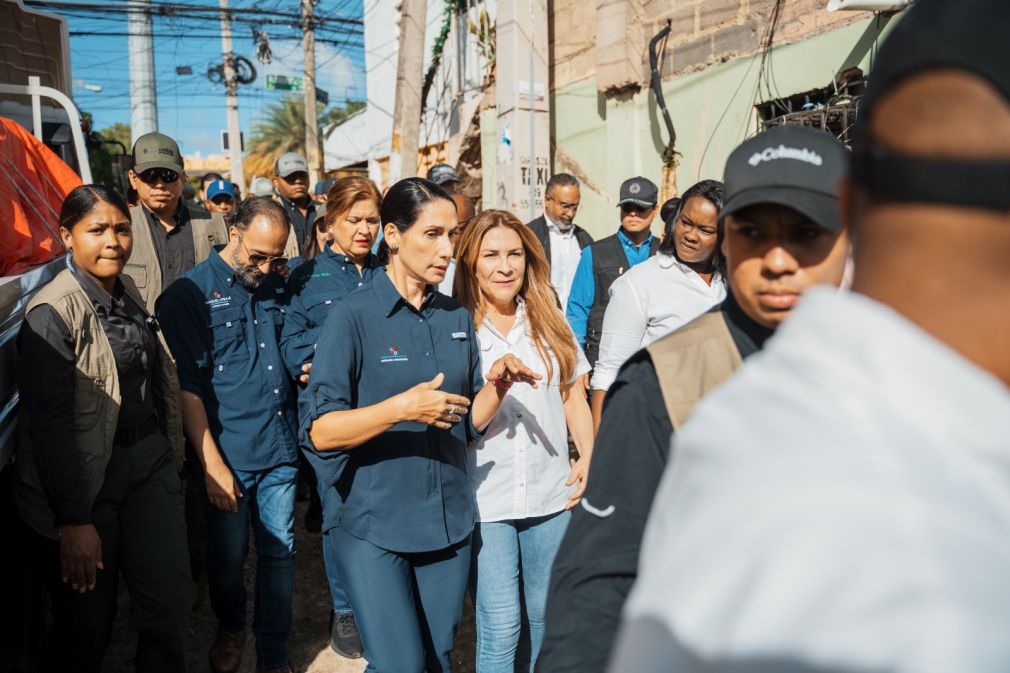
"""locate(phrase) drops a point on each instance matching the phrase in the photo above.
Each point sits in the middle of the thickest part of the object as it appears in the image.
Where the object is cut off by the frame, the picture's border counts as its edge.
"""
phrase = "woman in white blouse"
(523, 479)
(668, 290)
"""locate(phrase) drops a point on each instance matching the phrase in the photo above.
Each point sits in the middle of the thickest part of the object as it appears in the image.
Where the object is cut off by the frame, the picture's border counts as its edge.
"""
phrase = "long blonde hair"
(546, 323)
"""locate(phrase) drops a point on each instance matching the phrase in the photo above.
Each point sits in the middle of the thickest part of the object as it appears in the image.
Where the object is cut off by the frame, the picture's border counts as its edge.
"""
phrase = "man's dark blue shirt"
(406, 490)
(313, 287)
(226, 344)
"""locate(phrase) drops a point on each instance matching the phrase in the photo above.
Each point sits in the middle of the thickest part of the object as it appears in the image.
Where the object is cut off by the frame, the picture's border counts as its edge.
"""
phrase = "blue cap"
(219, 187)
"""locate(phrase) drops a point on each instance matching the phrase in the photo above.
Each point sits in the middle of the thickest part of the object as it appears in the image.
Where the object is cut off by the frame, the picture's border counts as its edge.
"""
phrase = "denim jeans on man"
(269, 496)
(512, 568)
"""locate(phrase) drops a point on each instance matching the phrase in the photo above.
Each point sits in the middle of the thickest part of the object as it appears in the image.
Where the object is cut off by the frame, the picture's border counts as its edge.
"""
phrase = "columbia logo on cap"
(783, 152)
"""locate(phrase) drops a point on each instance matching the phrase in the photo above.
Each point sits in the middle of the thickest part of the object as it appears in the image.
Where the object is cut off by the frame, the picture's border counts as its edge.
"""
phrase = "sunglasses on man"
(153, 176)
(259, 259)
(634, 208)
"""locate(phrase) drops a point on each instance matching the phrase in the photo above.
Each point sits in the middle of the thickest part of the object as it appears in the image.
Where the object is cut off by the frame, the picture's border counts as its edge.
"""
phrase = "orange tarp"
(33, 183)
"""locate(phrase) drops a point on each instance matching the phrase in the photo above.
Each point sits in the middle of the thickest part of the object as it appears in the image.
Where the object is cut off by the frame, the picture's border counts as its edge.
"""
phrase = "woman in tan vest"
(101, 447)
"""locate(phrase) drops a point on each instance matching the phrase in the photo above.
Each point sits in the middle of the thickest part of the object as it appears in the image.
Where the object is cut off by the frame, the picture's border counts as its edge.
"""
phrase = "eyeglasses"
(256, 259)
(153, 176)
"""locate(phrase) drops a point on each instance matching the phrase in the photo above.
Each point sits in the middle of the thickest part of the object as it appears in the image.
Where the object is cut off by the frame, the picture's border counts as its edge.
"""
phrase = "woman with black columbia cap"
(782, 237)
(101, 447)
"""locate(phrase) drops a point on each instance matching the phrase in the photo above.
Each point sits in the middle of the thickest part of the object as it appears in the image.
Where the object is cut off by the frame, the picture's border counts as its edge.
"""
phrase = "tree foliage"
(283, 130)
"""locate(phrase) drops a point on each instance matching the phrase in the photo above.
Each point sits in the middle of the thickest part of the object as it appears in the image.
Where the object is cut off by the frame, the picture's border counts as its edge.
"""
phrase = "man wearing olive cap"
(841, 503)
(169, 236)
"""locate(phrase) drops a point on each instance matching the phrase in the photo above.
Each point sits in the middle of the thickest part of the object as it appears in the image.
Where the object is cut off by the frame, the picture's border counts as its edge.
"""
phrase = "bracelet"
(501, 384)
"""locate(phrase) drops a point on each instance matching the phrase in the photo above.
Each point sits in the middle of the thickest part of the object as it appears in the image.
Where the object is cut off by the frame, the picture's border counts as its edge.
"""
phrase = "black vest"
(609, 262)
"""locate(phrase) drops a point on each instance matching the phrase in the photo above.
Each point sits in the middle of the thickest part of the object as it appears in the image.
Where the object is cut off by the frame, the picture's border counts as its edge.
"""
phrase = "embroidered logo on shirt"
(394, 356)
(217, 301)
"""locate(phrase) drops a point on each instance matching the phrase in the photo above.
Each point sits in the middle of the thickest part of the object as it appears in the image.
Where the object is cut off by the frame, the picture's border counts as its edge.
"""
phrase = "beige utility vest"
(96, 399)
(691, 361)
(144, 267)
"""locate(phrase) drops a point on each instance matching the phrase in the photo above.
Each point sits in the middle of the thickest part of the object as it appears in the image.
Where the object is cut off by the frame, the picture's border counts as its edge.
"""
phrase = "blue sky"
(190, 107)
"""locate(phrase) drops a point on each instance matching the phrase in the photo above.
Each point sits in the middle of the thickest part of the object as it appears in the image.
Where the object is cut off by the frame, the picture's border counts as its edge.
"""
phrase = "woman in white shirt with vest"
(522, 476)
(669, 290)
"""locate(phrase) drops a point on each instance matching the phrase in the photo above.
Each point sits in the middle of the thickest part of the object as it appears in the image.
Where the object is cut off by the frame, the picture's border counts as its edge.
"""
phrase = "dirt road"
(310, 650)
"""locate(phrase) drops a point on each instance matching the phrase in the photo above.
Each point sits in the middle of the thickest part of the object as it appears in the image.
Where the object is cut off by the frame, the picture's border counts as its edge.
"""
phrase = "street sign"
(284, 83)
(322, 97)
(224, 141)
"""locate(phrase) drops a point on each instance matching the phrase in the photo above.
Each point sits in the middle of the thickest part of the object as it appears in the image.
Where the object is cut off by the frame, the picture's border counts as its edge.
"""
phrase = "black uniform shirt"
(301, 223)
(174, 248)
(47, 386)
(598, 559)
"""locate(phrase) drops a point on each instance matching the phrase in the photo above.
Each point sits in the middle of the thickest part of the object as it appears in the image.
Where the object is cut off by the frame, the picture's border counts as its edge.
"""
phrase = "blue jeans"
(512, 569)
(268, 498)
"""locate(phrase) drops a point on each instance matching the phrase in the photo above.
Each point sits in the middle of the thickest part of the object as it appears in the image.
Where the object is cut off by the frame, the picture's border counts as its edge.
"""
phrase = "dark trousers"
(139, 518)
(407, 606)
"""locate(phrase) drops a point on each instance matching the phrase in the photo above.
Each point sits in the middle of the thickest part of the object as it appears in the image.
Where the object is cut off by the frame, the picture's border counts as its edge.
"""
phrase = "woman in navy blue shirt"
(397, 393)
(351, 223)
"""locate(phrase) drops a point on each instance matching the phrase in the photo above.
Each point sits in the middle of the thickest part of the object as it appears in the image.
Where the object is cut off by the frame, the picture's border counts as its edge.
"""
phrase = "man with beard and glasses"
(169, 236)
(222, 321)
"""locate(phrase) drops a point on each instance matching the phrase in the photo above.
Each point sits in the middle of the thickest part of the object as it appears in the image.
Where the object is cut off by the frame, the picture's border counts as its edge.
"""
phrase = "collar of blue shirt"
(627, 242)
(391, 298)
(339, 257)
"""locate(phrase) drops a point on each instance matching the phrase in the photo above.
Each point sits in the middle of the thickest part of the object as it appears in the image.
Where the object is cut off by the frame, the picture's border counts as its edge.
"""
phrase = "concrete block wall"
(608, 39)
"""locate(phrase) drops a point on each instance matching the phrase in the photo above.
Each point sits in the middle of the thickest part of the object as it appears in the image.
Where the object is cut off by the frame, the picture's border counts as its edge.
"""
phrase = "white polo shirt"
(843, 501)
(648, 302)
(565, 256)
(521, 462)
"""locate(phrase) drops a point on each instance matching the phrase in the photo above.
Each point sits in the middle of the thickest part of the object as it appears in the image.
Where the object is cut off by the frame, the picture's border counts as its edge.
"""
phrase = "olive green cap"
(156, 150)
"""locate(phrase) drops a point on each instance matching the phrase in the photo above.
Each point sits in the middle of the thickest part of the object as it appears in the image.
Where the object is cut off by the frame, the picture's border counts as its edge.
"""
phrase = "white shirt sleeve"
(624, 326)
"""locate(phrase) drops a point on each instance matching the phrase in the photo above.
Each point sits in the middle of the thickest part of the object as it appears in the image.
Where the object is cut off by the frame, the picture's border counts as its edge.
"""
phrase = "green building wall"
(609, 139)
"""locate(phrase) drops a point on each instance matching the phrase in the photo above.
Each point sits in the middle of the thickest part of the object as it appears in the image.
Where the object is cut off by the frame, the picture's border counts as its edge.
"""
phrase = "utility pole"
(409, 79)
(521, 95)
(311, 130)
(143, 107)
(231, 94)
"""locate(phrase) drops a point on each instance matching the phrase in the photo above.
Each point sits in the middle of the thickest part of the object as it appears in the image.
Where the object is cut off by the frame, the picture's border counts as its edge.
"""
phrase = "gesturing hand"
(425, 403)
(510, 369)
(80, 556)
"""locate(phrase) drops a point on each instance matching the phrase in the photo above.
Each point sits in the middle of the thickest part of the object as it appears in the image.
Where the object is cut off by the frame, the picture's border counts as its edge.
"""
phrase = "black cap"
(442, 174)
(969, 35)
(791, 166)
(639, 191)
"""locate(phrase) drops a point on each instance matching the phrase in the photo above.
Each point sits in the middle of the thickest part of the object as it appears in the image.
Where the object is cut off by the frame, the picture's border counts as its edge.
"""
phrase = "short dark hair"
(82, 200)
(209, 177)
(713, 192)
(256, 206)
(561, 179)
(403, 203)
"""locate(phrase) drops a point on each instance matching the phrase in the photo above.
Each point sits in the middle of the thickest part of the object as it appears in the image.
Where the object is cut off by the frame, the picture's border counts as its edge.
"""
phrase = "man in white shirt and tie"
(563, 240)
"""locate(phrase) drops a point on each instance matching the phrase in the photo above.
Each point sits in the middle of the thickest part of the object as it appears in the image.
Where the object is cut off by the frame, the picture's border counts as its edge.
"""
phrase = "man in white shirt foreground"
(843, 502)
